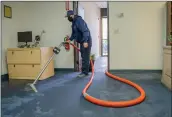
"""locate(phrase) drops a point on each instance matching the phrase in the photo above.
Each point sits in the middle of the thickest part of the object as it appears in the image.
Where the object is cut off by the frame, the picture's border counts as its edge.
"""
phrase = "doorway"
(104, 40)
(98, 25)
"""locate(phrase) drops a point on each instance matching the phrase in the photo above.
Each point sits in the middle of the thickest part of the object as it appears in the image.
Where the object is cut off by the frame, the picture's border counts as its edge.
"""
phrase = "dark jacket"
(80, 31)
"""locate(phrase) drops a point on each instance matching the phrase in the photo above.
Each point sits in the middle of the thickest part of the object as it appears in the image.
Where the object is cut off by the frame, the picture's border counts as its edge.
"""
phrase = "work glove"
(67, 39)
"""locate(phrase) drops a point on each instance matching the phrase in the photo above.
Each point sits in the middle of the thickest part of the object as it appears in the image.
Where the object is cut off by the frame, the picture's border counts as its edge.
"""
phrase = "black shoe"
(82, 75)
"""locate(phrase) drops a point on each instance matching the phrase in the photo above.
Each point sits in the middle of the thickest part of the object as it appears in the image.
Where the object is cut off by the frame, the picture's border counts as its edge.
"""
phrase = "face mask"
(70, 19)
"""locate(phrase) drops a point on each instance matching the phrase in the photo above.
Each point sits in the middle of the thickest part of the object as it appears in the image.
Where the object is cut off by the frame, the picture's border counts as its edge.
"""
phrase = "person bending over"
(81, 34)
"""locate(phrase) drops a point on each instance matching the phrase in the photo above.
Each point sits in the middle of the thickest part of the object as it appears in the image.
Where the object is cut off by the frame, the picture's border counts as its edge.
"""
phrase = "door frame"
(76, 53)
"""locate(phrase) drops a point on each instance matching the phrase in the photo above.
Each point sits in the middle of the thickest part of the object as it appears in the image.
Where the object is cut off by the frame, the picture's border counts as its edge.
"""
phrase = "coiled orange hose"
(119, 104)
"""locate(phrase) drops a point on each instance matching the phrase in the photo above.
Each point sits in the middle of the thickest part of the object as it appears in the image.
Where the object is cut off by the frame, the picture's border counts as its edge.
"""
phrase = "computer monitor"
(25, 36)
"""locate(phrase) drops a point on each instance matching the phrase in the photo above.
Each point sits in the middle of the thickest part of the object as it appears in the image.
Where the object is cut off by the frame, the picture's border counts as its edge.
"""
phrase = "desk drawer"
(167, 64)
(23, 70)
(23, 57)
(167, 51)
(166, 80)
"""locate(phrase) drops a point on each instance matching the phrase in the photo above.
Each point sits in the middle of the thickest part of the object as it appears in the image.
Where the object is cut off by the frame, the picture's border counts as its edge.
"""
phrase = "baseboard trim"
(135, 71)
(4, 78)
(64, 69)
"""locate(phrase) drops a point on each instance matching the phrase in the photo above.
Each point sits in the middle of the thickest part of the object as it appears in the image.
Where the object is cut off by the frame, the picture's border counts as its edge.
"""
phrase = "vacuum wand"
(43, 69)
(56, 50)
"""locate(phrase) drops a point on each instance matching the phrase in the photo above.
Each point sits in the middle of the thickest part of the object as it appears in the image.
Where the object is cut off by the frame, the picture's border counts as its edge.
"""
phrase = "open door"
(79, 10)
(80, 13)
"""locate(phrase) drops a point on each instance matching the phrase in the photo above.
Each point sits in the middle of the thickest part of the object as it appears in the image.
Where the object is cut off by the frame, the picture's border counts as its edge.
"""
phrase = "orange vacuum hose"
(119, 104)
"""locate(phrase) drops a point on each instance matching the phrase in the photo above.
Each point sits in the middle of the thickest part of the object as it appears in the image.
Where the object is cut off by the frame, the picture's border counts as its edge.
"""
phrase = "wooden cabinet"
(167, 74)
(169, 21)
(26, 63)
(167, 54)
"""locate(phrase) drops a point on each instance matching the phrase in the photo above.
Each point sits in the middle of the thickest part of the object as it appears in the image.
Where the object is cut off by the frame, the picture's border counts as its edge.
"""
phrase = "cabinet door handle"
(14, 65)
(32, 65)
(12, 52)
(31, 52)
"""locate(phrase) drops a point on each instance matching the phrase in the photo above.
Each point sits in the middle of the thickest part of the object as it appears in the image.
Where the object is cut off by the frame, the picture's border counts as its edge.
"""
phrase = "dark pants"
(85, 54)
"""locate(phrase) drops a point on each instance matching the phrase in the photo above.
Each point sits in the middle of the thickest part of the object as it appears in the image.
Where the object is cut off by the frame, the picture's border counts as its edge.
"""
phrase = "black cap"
(69, 12)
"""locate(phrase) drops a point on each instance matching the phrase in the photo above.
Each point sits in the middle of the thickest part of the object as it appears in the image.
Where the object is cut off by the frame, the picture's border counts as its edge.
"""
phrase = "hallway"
(101, 64)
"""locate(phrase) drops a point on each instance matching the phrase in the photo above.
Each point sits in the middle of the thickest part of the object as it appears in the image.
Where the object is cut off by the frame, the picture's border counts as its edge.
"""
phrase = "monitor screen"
(25, 36)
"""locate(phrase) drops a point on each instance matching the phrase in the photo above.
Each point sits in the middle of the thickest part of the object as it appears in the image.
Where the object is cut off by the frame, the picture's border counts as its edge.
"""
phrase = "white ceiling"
(102, 4)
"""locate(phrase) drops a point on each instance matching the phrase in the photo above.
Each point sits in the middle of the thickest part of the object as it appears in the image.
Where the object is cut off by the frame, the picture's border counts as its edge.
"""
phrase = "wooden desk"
(166, 75)
(26, 63)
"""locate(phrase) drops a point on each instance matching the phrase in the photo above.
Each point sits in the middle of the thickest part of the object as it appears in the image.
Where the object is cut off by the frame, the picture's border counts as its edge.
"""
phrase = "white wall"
(136, 39)
(38, 16)
(50, 16)
(81, 10)
(92, 16)
(9, 29)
